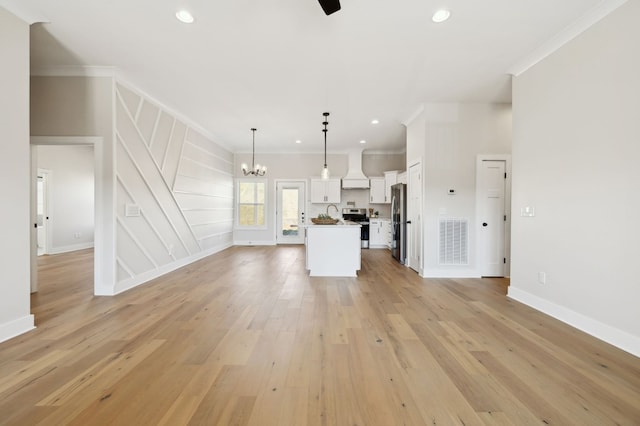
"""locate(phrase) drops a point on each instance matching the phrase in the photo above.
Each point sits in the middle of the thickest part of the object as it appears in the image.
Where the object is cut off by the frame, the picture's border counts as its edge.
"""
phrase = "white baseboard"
(132, 282)
(450, 273)
(69, 248)
(254, 243)
(618, 338)
(16, 327)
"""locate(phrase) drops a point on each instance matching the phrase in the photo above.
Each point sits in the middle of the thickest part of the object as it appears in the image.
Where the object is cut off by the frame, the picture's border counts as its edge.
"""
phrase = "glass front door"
(290, 212)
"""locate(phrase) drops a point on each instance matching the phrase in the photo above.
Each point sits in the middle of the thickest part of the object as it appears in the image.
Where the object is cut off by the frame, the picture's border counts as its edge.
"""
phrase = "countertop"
(340, 224)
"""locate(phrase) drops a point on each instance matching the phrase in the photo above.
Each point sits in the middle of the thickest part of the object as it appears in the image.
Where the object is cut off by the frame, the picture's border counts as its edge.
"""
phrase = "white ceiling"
(278, 65)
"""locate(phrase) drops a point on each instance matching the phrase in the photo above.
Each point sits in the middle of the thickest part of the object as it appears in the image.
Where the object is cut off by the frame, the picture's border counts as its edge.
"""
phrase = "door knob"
(484, 223)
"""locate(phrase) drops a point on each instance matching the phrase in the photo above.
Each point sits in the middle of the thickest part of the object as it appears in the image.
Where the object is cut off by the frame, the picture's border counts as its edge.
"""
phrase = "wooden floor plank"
(246, 337)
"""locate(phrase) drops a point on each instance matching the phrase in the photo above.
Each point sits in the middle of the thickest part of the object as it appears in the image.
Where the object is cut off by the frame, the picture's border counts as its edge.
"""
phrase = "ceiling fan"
(330, 6)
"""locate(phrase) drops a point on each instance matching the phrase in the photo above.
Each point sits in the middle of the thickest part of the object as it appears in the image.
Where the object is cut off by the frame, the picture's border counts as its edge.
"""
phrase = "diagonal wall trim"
(155, 197)
(180, 157)
(155, 129)
(156, 153)
(172, 111)
(166, 148)
(136, 241)
(125, 267)
(138, 110)
(146, 219)
(146, 147)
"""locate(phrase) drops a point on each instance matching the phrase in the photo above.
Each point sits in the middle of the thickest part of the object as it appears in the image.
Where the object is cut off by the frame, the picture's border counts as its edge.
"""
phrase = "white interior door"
(42, 211)
(492, 217)
(414, 220)
(290, 208)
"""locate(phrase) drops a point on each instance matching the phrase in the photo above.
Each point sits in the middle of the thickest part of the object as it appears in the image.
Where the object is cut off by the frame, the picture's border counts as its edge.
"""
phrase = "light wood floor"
(246, 337)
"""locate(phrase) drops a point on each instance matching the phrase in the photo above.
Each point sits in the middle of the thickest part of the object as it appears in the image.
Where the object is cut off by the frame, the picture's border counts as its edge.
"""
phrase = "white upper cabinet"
(325, 191)
(390, 179)
(378, 189)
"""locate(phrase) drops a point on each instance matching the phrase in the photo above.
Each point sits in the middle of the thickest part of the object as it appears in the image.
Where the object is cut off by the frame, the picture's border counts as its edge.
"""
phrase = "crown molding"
(75, 71)
(583, 23)
(25, 13)
(413, 116)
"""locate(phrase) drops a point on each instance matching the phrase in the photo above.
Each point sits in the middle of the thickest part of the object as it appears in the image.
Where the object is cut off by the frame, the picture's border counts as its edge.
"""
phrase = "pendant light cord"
(253, 150)
(325, 122)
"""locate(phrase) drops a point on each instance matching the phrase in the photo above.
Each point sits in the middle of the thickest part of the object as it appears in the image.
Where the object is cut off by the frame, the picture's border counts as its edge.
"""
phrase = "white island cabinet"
(333, 250)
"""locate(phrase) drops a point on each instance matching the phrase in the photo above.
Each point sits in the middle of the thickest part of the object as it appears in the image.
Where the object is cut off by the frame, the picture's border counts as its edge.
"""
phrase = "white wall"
(303, 167)
(575, 160)
(448, 137)
(181, 181)
(71, 195)
(14, 177)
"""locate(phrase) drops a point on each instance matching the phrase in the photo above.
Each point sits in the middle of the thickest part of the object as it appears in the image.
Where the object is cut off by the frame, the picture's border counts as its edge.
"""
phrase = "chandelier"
(256, 169)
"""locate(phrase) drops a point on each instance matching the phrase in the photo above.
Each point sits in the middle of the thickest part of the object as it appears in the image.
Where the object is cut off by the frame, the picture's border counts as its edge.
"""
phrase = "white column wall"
(83, 107)
(447, 138)
(14, 177)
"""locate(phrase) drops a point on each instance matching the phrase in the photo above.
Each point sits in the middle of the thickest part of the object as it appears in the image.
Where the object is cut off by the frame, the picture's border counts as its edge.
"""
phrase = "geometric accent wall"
(174, 193)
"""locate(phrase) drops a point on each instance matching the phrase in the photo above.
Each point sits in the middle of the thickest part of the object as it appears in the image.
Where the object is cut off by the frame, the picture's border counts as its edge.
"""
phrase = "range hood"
(354, 177)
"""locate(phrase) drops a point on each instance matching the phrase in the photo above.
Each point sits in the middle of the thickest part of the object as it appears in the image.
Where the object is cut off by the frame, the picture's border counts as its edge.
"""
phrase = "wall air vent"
(453, 244)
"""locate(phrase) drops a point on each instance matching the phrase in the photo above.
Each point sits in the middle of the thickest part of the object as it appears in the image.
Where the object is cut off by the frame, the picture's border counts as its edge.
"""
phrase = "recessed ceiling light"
(374, 121)
(184, 16)
(298, 141)
(441, 15)
(363, 141)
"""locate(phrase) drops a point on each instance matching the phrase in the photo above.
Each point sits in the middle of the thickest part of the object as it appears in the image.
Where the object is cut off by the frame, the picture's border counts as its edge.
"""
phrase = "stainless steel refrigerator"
(399, 222)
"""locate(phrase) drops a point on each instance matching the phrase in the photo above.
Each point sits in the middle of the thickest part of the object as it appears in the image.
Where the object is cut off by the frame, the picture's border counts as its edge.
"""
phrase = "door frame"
(103, 236)
(507, 205)
(275, 211)
(421, 229)
(46, 189)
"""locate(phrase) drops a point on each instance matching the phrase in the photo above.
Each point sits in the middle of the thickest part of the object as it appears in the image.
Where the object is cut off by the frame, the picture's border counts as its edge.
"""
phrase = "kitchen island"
(333, 250)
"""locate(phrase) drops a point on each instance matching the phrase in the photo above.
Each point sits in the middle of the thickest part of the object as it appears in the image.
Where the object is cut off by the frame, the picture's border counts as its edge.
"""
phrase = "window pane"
(247, 215)
(251, 203)
(260, 193)
(290, 211)
(260, 211)
(247, 192)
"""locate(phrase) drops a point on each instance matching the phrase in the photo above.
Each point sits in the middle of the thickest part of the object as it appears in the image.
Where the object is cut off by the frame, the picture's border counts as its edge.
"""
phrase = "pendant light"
(256, 169)
(325, 171)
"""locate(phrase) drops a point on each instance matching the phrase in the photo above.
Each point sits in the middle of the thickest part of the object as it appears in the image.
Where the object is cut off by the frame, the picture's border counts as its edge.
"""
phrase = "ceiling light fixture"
(184, 16)
(363, 141)
(256, 169)
(441, 15)
(298, 141)
(374, 121)
(325, 171)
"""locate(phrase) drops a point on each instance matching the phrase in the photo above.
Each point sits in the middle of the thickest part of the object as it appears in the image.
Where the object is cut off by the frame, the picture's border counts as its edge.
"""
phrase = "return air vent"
(454, 242)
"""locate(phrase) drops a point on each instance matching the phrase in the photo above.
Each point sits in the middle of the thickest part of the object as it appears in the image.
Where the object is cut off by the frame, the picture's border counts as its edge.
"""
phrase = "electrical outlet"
(170, 249)
(77, 235)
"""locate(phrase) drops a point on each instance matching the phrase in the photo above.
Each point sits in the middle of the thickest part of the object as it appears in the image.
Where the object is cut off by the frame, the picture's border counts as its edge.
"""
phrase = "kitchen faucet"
(334, 206)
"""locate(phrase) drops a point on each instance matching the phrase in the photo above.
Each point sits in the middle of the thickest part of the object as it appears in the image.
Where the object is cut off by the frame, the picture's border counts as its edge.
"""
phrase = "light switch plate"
(528, 211)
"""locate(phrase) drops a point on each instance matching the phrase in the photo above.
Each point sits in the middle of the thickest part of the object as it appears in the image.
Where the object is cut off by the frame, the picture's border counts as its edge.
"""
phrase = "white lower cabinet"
(386, 231)
(379, 231)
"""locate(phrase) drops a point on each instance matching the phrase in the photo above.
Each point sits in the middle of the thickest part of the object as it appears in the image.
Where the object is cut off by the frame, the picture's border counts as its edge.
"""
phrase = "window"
(251, 203)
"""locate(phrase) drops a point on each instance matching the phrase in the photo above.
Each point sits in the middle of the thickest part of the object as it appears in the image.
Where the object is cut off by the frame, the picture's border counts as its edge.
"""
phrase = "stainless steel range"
(359, 216)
